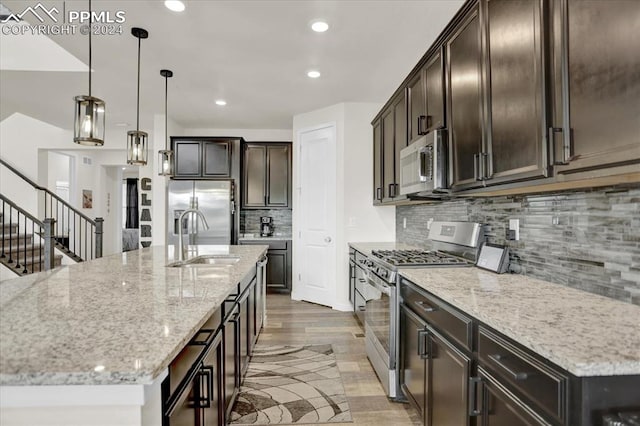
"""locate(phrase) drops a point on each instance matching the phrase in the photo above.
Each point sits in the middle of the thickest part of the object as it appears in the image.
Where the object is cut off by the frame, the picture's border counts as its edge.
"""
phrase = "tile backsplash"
(589, 240)
(250, 221)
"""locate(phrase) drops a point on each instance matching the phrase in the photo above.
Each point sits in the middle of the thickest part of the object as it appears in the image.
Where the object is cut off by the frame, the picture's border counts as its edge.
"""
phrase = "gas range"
(385, 263)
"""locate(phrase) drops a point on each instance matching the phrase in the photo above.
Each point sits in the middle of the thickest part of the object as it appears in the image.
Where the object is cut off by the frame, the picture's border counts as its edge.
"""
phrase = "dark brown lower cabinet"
(231, 363)
(499, 407)
(278, 274)
(447, 382)
(434, 373)
(197, 400)
(413, 367)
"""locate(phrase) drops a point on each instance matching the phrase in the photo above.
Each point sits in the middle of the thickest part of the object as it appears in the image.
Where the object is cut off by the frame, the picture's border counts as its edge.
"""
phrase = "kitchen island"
(91, 343)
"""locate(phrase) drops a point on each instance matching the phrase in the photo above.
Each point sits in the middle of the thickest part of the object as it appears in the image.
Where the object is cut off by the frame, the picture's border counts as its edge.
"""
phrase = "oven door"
(378, 316)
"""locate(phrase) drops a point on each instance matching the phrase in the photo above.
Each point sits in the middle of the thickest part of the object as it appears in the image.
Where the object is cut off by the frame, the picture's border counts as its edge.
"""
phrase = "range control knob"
(383, 273)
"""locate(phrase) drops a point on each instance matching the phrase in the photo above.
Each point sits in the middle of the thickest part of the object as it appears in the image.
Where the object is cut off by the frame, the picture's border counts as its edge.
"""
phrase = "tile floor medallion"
(291, 385)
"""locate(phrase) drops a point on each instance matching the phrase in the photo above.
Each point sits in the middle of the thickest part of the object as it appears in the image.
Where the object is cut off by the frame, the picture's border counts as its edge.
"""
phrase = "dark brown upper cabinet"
(464, 102)
(266, 176)
(377, 162)
(425, 98)
(516, 142)
(389, 137)
(202, 158)
(596, 84)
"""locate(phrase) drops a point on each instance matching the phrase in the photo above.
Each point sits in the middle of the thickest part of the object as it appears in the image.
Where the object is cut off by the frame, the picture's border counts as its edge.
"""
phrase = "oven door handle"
(384, 289)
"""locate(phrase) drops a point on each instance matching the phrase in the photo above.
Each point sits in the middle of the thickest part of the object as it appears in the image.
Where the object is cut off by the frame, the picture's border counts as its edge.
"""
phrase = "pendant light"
(137, 147)
(165, 156)
(88, 128)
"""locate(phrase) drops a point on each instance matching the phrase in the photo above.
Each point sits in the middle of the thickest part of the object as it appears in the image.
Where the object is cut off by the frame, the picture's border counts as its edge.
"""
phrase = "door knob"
(327, 240)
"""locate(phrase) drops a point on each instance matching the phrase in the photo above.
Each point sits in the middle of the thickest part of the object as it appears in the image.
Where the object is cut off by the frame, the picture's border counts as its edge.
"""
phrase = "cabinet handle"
(484, 165)
(474, 382)
(206, 397)
(422, 128)
(424, 307)
(379, 193)
(562, 153)
(476, 166)
(423, 345)
(515, 375)
(391, 191)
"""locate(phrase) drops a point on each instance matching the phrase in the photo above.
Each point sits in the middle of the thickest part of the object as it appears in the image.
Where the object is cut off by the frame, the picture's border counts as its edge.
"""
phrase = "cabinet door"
(447, 383)
(251, 324)
(278, 175)
(186, 413)
(413, 340)
(244, 335)
(377, 162)
(400, 140)
(499, 407)
(417, 106)
(216, 159)
(231, 360)
(388, 154)
(434, 83)
(188, 162)
(254, 176)
(516, 141)
(277, 270)
(464, 102)
(210, 383)
(602, 72)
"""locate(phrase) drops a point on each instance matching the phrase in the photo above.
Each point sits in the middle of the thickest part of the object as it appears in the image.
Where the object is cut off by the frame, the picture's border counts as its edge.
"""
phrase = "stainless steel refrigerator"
(215, 199)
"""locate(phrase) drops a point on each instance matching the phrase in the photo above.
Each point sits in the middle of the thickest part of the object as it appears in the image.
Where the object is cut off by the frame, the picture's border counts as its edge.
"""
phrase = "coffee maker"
(266, 226)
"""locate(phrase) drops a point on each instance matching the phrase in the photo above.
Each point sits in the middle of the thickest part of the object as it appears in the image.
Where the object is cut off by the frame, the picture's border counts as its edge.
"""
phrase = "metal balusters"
(10, 236)
(3, 231)
(18, 242)
(24, 263)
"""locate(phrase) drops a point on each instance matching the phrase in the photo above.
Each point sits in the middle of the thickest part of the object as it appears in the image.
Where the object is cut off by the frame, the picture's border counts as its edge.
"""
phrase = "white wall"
(356, 218)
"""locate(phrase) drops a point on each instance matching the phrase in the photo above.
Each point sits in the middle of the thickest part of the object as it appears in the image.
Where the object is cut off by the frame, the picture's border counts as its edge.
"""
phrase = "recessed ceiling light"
(99, 368)
(319, 26)
(174, 5)
(313, 74)
(123, 124)
(221, 102)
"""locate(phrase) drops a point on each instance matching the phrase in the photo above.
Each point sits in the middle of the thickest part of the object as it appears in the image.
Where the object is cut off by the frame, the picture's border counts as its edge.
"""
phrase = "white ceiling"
(254, 54)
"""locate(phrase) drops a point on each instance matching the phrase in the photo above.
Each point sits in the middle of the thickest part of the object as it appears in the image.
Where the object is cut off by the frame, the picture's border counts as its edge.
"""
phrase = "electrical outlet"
(429, 222)
(404, 223)
(513, 233)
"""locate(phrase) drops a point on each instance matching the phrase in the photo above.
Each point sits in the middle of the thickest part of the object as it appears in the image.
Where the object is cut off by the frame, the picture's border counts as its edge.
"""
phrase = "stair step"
(31, 264)
(8, 229)
(16, 237)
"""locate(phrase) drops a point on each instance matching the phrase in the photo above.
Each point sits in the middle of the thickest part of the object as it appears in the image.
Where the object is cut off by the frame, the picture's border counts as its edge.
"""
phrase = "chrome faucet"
(181, 249)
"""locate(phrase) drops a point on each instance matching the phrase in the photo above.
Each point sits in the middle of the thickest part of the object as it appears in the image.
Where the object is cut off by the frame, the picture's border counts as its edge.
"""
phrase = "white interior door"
(315, 260)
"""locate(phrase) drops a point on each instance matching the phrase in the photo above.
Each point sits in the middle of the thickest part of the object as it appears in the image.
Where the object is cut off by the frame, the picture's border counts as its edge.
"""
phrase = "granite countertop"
(586, 334)
(257, 237)
(120, 319)
(366, 248)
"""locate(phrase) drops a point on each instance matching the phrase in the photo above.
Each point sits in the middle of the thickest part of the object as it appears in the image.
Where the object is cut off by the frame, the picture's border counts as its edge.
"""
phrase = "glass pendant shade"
(165, 163)
(89, 121)
(137, 148)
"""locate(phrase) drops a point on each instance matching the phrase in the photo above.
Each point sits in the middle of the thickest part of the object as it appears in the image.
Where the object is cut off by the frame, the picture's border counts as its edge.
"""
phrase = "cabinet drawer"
(438, 314)
(543, 385)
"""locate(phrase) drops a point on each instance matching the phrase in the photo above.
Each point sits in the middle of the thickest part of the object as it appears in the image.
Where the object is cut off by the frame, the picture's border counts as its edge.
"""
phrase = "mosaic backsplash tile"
(250, 220)
(589, 240)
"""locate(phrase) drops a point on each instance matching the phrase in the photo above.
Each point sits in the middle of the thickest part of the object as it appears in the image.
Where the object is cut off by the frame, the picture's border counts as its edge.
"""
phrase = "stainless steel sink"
(218, 260)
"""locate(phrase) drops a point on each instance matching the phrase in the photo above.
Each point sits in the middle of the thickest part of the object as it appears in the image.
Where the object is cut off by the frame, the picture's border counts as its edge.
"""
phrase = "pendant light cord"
(138, 102)
(166, 109)
(90, 31)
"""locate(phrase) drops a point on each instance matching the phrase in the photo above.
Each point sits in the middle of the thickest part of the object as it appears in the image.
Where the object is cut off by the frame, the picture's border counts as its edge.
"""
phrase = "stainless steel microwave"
(423, 165)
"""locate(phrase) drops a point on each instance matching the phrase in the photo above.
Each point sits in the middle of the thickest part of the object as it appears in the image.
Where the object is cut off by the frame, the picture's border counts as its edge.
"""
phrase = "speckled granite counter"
(120, 319)
(366, 248)
(586, 334)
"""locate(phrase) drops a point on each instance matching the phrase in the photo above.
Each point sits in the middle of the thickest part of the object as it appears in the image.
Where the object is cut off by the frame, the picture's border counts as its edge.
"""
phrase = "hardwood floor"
(297, 323)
